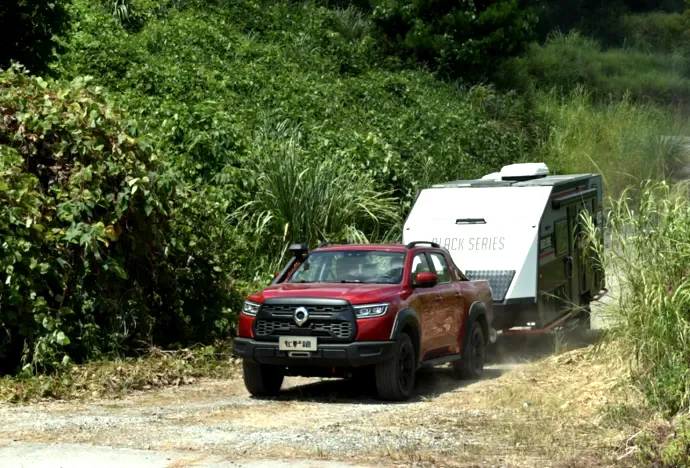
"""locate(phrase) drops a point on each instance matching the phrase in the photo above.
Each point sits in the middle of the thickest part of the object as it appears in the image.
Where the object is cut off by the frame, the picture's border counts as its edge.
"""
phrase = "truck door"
(450, 307)
(426, 304)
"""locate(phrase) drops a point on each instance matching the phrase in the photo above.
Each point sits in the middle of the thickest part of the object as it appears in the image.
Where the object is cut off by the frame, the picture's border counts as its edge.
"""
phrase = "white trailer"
(521, 230)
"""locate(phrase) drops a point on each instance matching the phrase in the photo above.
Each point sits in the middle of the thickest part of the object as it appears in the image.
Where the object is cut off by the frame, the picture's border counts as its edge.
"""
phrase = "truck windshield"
(351, 266)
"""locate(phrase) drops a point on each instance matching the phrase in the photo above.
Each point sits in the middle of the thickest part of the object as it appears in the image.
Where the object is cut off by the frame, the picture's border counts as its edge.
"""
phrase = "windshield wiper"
(352, 281)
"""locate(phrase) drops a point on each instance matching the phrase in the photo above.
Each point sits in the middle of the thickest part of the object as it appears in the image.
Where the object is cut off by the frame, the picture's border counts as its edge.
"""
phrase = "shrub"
(101, 249)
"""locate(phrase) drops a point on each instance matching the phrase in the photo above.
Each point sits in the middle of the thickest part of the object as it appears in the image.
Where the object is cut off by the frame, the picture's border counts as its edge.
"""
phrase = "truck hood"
(355, 293)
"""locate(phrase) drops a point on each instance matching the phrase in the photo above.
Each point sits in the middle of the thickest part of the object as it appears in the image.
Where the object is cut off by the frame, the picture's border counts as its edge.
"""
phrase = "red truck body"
(427, 299)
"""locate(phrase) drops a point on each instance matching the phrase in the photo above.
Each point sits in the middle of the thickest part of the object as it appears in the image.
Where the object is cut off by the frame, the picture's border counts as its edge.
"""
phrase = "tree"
(459, 39)
(27, 31)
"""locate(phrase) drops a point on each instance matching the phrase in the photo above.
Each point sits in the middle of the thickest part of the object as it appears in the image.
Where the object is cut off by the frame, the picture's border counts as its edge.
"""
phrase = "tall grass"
(649, 262)
(626, 142)
(299, 200)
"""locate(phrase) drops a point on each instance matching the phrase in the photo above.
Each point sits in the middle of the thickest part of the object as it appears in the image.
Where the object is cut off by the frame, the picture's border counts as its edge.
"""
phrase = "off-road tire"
(395, 377)
(262, 379)
(471, 366)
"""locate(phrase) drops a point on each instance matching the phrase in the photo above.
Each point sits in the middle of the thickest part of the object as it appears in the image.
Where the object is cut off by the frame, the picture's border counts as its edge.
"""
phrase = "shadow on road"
(504, 356)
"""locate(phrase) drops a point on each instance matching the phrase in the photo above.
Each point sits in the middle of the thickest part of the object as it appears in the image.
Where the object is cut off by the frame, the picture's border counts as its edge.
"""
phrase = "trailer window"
(562, 238)
(441, 267)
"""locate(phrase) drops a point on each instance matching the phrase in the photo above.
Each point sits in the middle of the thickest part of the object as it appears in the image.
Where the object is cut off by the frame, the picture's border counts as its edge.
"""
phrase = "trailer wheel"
(471, 366)
(262, 379)
(395, 377)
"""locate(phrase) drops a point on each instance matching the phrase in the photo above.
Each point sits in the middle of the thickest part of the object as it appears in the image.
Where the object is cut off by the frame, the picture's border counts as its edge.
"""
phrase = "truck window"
(420, 265)
(562, 237)
(351, 266)
(441, 267)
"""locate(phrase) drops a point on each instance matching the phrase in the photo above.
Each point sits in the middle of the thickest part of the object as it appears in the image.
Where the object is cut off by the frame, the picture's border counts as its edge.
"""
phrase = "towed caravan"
(521, 230)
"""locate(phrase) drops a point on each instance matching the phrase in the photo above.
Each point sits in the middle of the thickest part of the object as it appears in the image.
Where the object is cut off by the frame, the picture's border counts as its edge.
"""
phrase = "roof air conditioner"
(524, 171)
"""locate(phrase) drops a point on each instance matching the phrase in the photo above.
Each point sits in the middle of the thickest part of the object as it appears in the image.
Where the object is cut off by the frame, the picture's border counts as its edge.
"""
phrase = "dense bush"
(27, 28)
(206, 81)
(103, 248)
(459, 39)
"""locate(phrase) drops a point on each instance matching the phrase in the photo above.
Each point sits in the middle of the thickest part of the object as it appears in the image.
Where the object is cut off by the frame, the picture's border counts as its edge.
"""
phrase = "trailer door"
(575, 261)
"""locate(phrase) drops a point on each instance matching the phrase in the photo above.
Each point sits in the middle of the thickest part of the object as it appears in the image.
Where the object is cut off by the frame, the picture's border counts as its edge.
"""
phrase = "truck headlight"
(370, 310)
(250, 308)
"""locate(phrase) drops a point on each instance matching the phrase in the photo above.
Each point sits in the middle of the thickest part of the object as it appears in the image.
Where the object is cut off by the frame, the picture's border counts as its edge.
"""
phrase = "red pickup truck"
(340, 309)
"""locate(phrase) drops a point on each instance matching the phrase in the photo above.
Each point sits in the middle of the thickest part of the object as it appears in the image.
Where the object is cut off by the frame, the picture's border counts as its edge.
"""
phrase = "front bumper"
(356, 354)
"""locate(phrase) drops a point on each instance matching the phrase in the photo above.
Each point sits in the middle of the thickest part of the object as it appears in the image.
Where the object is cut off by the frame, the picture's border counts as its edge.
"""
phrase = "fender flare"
(477, 311)
(406, 317)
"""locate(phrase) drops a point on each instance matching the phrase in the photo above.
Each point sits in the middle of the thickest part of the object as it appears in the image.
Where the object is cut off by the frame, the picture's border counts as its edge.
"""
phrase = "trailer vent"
(499, 280)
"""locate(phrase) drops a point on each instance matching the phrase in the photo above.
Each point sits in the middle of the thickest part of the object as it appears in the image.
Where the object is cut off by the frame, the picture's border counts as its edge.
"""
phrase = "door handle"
(438, 298)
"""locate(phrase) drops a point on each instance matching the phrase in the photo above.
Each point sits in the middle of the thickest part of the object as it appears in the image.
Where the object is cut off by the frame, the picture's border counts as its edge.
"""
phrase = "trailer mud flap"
(499, 280)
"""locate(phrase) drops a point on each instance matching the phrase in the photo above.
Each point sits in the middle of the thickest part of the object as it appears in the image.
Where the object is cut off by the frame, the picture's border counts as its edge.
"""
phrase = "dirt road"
(215, 423)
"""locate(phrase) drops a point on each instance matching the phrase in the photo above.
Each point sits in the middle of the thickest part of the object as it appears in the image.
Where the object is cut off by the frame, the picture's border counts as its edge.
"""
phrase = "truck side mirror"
(426, 279)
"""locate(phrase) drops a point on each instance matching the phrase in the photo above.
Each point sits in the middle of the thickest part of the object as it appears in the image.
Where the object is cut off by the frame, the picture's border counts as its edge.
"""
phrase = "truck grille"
(315, 311)
(339, 330)
(329, 320)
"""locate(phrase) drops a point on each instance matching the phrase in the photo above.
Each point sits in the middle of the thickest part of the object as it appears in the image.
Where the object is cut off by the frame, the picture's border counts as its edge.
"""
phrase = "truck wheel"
(471, 366)
(395, 377)
(262, 379)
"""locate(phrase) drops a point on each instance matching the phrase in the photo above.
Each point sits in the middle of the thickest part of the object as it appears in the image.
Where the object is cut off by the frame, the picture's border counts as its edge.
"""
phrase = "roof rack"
(416, 243)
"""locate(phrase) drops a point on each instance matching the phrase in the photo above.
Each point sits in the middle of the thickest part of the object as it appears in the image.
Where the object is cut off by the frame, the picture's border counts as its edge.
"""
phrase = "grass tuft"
(114, 378)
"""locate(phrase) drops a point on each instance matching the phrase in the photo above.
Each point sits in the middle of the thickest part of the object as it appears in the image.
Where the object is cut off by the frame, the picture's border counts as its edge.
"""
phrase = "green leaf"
(62, 339)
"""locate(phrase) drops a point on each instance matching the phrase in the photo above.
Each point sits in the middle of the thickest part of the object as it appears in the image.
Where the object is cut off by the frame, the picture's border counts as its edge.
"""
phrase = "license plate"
(297, 343)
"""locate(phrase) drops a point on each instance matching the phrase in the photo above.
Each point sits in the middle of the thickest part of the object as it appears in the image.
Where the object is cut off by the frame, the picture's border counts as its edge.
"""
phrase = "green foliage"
(659, 32)
(204, 81)
(458, 39)
(572, 60)
(647, 256)
(101, 242)
(27, 28)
